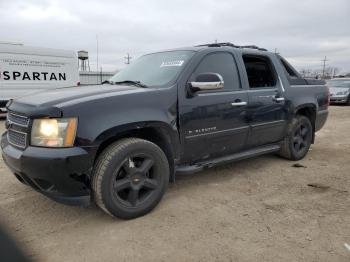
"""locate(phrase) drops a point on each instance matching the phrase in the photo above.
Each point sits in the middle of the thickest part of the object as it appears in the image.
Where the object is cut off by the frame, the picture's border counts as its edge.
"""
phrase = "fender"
(170, 133)
(307, 105)
(299, 102)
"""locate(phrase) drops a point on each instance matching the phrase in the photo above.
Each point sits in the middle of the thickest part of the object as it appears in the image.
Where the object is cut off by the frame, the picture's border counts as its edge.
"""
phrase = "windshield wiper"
(108, 82)
(135, 83)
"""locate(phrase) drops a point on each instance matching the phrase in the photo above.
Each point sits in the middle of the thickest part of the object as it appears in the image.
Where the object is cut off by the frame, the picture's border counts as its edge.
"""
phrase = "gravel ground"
(260, 209)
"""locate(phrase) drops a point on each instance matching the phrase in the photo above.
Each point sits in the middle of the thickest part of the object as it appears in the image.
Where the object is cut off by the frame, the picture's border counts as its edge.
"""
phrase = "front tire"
(130, 177)
(297, 143)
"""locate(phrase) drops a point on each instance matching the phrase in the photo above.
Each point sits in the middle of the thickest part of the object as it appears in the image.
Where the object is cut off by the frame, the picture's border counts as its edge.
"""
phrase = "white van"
(25, 70)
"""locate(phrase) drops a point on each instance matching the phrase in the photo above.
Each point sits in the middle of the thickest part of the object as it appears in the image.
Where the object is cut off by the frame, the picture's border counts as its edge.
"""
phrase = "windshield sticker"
(172, 63)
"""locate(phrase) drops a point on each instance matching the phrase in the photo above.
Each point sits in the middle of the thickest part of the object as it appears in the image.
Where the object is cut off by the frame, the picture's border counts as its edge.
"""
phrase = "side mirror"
(207, 81)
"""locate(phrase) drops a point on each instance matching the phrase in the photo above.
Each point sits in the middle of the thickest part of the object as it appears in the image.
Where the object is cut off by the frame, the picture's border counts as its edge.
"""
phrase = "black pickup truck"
(177, 111)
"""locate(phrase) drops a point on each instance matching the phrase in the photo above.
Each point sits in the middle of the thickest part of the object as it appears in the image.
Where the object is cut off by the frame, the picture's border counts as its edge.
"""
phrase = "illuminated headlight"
(58, 132)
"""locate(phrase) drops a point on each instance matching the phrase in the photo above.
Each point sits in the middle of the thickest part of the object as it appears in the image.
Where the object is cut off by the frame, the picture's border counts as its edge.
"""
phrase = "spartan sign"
(15, 75)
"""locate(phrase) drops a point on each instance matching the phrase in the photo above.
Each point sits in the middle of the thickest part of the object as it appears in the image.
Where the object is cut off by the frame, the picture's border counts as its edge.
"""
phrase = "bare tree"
(336, 71)
(331, 72)
(327, 73)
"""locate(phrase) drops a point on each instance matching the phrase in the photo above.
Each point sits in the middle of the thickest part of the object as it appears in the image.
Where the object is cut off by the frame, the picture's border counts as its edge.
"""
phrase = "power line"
(128, 58)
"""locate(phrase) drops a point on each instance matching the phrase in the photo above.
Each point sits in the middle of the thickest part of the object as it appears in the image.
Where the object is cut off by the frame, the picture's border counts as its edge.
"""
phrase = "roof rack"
(233, 45)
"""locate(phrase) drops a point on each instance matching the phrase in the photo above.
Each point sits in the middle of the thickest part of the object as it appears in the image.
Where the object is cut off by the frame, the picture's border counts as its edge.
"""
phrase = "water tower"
(83, 61)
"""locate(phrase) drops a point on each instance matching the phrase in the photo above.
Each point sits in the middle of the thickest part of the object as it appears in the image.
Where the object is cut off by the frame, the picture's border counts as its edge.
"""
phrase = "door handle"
(242, 103)
(278, 99)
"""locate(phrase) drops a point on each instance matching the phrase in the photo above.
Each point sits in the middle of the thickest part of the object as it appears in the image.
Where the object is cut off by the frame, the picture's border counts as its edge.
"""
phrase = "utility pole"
(128, 58)
(324, 66)
(97, 58)
(308, 72)
(96, 53)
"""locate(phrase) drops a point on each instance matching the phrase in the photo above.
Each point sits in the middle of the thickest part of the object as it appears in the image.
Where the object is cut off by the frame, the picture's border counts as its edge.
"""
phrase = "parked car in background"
(25, 70)
(339, 89)
(176, 111)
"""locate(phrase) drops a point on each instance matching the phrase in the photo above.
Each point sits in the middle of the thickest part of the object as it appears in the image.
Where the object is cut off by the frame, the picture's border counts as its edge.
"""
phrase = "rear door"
(213, 123)
(267, 111)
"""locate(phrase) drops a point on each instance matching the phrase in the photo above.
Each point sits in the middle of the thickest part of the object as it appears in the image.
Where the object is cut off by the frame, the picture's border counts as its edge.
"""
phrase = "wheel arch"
(159, 133)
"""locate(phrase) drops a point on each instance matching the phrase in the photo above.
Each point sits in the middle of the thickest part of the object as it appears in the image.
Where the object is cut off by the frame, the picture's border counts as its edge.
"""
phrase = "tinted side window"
(223, 64)
(260, 71)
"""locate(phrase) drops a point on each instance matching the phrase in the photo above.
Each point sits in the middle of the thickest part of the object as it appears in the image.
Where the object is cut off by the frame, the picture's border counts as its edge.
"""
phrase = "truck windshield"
(156, 69)
(339, 83)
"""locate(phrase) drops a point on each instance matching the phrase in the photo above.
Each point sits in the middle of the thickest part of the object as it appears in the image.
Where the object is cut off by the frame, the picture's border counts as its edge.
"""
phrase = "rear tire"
(297, 143)
(130, 177)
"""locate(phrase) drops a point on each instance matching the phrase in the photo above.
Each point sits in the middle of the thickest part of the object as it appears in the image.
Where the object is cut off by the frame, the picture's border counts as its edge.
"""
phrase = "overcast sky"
(302, 31)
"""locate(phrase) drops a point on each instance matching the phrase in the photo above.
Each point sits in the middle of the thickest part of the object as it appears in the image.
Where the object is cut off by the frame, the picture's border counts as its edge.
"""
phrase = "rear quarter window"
(260, 71)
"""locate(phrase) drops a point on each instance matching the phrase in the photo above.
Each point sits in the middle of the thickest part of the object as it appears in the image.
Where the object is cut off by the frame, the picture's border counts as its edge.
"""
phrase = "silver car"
(339, 90)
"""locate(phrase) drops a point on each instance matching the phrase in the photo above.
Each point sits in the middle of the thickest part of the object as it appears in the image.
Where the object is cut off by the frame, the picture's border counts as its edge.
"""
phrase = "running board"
(227, 159)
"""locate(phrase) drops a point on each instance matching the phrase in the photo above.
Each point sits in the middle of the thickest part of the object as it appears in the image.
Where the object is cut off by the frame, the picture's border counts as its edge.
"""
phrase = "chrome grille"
(17, 129)
(17, 119)
(17, 138)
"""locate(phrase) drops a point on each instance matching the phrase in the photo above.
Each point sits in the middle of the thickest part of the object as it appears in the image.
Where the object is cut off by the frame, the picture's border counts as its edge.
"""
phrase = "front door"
(214, 123)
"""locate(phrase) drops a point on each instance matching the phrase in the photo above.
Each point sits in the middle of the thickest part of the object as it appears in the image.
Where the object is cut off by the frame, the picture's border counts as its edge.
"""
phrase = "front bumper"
(59, 173)
(339, 99)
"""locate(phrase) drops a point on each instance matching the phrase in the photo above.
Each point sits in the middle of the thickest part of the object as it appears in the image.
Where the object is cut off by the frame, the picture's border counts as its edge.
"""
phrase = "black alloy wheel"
(301, 137)
(130, 177)
(135, 181)
(297, 143)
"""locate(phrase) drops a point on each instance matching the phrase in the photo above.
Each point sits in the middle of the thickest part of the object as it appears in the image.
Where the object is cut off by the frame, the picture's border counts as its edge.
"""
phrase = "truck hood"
(51, 100)
(338, 90)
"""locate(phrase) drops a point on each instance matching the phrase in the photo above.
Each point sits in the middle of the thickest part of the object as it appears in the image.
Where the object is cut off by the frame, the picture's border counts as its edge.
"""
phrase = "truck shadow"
(36, 213)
